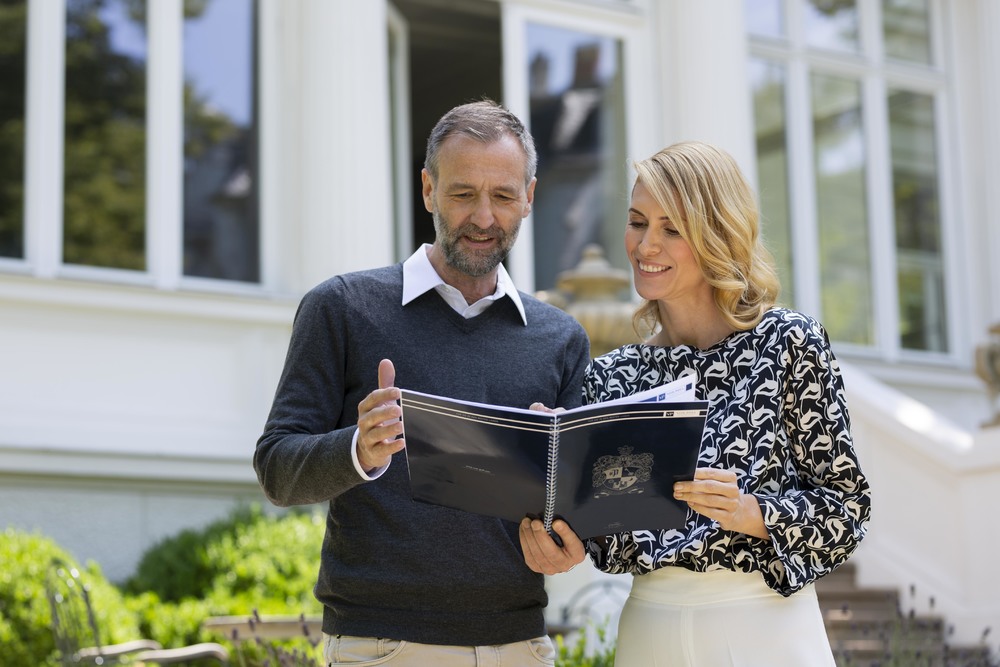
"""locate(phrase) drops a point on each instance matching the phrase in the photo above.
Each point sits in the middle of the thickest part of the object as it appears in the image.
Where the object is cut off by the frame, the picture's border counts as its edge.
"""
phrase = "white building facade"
(178, 174)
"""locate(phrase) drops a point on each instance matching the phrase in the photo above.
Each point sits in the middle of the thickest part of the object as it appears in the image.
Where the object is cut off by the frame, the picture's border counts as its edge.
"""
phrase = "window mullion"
(956, 299)
(165, 149)
(45, 95)
(802, 190)
(872, 47)
(273, 245)
(881, 217)
(880, 205)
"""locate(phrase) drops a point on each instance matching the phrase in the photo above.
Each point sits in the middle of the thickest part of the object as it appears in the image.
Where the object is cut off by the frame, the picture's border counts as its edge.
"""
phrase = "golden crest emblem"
(625, 473)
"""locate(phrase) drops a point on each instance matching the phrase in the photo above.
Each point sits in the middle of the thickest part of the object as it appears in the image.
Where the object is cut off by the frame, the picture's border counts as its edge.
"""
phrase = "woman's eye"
(636, 224)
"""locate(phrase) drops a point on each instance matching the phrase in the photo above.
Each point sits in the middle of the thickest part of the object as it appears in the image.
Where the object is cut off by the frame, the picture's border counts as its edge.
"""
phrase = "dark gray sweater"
(392, 567)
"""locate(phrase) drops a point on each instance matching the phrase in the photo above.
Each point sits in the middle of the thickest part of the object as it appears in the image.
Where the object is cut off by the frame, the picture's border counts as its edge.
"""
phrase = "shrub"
(260, 561)
(178, 567)
(247, 561)
(25, 616)
(581, 654)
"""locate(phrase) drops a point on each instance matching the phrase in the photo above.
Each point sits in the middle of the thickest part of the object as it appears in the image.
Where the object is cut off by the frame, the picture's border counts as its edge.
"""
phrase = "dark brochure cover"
(604, 468)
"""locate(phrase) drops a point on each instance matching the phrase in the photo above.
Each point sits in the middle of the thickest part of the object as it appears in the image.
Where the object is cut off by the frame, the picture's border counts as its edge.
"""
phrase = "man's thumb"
(386, 374)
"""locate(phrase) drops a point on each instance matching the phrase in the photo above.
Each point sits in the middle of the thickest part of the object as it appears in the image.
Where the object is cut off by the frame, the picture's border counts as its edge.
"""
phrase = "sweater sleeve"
(303, 457)
(817, 526)
(577, 359)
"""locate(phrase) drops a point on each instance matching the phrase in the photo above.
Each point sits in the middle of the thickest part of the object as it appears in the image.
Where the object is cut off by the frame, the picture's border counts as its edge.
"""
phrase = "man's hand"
(542, 554)
(379, 421)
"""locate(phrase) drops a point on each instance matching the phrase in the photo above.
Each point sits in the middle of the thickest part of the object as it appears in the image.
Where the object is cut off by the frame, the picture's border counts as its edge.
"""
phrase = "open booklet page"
(604, 468)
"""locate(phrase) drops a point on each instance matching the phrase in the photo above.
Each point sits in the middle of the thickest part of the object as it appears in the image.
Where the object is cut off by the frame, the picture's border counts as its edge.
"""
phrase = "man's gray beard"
(472, 264)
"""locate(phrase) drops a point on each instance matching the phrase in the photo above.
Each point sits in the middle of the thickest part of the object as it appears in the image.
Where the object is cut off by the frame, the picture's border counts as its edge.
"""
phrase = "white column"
(43, 154)
(165, 144)
(342, 132)
(989, 27)
(703, 76)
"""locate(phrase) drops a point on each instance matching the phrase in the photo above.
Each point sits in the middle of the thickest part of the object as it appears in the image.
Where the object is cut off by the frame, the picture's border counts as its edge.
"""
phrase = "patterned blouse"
(778, 417)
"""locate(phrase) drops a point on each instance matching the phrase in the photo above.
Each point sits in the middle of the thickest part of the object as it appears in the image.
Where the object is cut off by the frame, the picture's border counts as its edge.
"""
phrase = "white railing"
(935, 528)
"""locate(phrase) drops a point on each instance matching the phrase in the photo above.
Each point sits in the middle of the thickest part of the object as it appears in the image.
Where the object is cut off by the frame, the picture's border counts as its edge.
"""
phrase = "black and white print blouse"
(778, 418)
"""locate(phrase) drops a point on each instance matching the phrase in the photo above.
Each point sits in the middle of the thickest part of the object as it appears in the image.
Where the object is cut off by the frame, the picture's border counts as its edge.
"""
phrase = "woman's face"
(662, 261)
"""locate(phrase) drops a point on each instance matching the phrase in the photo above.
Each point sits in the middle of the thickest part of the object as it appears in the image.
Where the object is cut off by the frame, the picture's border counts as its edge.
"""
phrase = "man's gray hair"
(485, 121)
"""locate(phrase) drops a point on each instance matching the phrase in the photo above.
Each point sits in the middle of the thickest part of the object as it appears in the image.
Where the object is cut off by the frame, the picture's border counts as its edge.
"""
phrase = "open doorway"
(454, 57)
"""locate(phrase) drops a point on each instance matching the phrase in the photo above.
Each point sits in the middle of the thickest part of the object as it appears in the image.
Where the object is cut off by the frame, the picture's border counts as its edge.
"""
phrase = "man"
(413, 582)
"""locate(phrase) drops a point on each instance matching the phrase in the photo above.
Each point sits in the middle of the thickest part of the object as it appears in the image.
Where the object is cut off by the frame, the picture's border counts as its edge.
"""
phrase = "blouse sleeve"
(817, 523)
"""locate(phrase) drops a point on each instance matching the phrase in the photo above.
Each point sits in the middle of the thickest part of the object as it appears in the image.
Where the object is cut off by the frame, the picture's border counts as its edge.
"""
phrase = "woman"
(779, 498)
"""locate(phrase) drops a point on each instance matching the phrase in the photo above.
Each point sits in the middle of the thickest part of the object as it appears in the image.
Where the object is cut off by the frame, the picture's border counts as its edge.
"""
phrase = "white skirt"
(679, 618)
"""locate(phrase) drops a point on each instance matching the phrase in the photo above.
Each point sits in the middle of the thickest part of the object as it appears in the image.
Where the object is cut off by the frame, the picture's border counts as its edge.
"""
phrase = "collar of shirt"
(419, 276)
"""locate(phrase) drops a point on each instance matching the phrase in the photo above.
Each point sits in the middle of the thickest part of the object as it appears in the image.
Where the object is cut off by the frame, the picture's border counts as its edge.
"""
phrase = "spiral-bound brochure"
(604, 468)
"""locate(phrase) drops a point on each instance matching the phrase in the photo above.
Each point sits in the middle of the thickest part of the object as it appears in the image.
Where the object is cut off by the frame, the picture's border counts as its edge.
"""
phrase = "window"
(847, 103)
(104, 147)
(577, 119)
(13, 46)
(220, 167)
(141, 151)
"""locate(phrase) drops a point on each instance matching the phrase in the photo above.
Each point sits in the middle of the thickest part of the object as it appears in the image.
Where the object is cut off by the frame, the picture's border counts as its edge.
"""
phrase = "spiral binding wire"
(550, 481)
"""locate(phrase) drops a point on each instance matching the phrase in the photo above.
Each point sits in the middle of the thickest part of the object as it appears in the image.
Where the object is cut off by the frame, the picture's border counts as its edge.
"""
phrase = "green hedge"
(249, 561)
(25, 615)
(245, 562)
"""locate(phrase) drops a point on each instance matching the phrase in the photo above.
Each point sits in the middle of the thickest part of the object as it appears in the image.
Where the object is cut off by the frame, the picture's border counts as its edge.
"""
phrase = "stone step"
(914, 631)
(873, 655)
(859, 604)
(844, 576)
(867, 629)
(969, 656)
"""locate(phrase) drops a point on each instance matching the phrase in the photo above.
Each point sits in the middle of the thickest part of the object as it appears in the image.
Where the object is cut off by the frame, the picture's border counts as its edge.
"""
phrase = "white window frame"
(164, 224)
(399, 64)
(875, 76)
(625, 22)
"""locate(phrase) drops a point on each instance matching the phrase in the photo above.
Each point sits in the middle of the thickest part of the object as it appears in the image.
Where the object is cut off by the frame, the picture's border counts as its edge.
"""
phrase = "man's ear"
(427, 189)
(530, 196)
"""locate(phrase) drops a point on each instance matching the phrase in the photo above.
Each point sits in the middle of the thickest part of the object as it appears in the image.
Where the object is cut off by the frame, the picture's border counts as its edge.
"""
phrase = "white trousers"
(678, 618)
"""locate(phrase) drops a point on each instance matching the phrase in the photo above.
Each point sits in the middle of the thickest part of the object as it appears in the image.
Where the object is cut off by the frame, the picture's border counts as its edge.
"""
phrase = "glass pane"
(831, 24)
(906, 25)
(105, 146)
(768, 84)
(13, 44)
(845, 262)
(221, 232)
(577, 119)
(764, 17)
(917, 204)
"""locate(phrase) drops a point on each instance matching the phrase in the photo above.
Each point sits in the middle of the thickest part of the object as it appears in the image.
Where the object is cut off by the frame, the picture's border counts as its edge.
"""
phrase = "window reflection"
(831, 24)
(577, 121)
(105, 125)
(221, 231)
(917, 215)
(845, 266)
(764, 17)
(768, 85)
(13, 45)
(906, 25)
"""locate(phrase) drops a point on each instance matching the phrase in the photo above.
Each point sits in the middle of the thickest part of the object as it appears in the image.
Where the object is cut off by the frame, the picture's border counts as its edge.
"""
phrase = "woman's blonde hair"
(704, 193)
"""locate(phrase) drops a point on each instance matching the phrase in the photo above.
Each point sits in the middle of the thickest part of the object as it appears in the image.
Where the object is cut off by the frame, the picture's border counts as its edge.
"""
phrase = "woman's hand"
(715, 494)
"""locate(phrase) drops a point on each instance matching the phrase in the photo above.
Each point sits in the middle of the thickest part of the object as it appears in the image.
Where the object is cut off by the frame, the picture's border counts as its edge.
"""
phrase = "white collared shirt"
(419, 276)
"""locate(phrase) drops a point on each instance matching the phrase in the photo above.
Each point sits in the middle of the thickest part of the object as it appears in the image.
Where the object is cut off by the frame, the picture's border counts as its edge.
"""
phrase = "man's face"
(478, 201)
